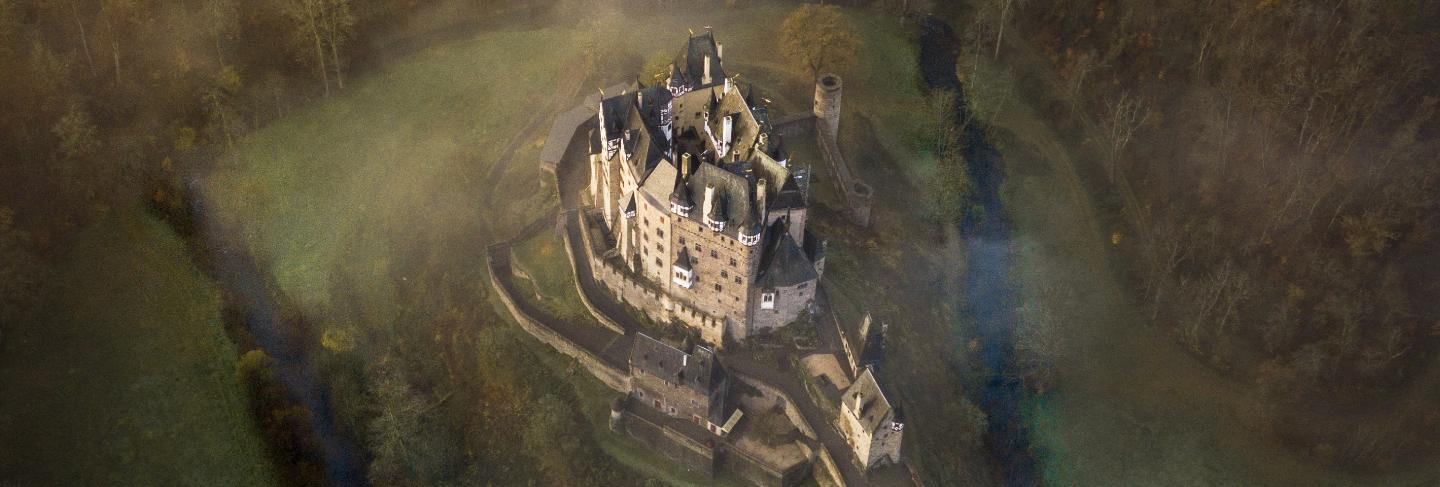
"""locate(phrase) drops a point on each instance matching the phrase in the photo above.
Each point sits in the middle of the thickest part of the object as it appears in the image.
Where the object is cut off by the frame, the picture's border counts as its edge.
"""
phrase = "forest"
(106, 106)
(1265, 169)
(1268, 168)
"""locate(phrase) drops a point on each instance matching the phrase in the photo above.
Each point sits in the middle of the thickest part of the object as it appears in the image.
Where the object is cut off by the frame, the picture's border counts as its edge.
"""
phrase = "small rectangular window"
(737, 280)
(657, 247)
(682, 241)
(732, 262)
(659, 233)
(803, 285)
(657, 261)
(724, 274)
(713, 255)
(717, 287)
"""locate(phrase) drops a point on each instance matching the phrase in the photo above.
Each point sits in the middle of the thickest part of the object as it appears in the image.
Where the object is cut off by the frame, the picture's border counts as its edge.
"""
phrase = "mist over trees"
(1272, 166)
(102, 102)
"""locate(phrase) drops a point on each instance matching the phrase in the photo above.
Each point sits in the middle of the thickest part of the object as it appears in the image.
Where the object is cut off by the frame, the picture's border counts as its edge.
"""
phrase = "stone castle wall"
(857, 194)
(692, 455)
(643, 295)
(702, 457)
(611, 375)
(758, 472)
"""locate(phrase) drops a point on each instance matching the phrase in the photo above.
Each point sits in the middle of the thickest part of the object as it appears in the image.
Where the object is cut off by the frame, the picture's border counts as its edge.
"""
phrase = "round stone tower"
(827, 103)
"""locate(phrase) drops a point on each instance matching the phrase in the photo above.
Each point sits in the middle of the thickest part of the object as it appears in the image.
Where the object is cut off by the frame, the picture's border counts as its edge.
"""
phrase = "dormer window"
(610, 147)
(750, 240)
(767, 300)
(680, 209)
(683, 277)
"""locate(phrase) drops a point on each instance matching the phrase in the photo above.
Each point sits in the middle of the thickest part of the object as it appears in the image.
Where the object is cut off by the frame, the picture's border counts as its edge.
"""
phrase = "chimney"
(709, 199)
(685, 166)
(705, 80)
(727, 128)
(760, 199)
(640, 100)
(685, 360)
(720, 51)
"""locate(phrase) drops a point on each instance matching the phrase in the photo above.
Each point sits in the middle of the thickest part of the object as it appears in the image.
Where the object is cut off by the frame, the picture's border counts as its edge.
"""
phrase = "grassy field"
(543, 258)
(126, 377)
(404, 177)
(1132, 408)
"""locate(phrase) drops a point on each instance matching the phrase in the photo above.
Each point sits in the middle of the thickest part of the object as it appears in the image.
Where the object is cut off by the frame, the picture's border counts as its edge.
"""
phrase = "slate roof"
(784, 264)
(696, 126)
(865, 396)
(682, 259)
(698, 370)
(689, 65)
(564, 129)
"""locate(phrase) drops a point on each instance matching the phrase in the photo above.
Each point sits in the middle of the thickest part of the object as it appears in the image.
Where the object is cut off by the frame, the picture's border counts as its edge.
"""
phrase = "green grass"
(543, 257)
(126, 377)
(395, 165)
(353, 199)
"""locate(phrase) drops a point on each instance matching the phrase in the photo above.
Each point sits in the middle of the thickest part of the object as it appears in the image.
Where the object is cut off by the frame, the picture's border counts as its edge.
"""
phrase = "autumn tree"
(322, 26)
(657, 66)
(819, 38)
(408, 447)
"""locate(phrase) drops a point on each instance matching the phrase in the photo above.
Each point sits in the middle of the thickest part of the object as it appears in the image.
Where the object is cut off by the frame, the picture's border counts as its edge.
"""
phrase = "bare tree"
(1123, 116)
(308, 15)
(336, 25)
(1004, 7)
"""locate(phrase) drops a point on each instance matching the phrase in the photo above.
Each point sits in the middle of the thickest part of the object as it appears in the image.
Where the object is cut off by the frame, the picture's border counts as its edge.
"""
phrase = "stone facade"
(870, 423)
(699, 200)
(688, 384)
(827, 104)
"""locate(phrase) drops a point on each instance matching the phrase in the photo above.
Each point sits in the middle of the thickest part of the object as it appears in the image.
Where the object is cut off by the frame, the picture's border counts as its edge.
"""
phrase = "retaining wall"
(693, 455)
(857, 194)
(793, 412)
(759, 472)
(612, 376)
(643, 295)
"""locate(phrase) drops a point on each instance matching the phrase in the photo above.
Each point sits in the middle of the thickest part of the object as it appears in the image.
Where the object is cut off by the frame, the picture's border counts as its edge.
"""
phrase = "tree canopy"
(819, 37)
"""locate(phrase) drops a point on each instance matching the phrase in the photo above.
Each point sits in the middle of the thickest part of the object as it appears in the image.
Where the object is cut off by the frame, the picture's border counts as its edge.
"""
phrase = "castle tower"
(827, 104)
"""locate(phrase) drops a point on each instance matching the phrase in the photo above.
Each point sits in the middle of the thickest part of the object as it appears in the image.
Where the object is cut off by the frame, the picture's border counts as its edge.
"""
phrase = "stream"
(236, 271)
(990, 294)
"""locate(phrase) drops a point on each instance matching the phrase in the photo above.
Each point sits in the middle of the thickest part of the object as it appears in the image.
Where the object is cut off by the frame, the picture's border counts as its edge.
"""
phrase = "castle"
(699, 199)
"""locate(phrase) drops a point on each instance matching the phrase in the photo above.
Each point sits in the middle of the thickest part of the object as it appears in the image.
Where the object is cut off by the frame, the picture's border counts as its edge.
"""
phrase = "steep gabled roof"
(784, 264)
(698, 369)
(866, 397)
(689, 66)
(682, 259)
